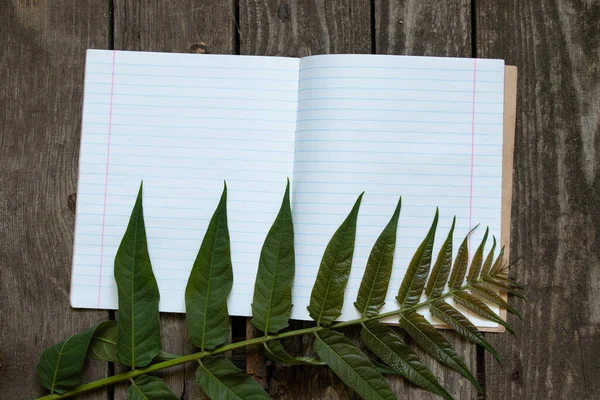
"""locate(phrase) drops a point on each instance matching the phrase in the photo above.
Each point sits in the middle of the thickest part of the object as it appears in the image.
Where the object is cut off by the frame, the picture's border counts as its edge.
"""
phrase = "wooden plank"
(184, 26)
(423, 28)
(43, 52)
(298, 29)
(556, 196)
(429, 28)
(301, 28)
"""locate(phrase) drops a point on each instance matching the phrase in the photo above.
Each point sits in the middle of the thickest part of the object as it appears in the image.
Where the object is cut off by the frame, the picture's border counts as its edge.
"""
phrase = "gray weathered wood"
(302, 28)
(189, 26)
(42, 58)
(423, 28)
(556, 197)
(429, 28)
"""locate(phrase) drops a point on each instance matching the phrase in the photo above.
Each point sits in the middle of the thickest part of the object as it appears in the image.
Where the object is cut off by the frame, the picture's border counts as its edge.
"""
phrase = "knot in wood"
(284, 12)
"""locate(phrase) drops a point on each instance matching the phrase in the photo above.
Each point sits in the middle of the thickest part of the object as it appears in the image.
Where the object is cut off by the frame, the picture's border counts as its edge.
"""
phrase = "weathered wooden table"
(556, 199)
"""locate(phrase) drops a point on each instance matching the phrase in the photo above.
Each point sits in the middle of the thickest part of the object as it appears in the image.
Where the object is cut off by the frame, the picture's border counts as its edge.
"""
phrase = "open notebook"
(427, 129)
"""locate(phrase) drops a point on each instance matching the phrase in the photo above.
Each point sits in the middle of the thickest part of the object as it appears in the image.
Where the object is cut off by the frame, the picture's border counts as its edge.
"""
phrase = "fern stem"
(125, 376)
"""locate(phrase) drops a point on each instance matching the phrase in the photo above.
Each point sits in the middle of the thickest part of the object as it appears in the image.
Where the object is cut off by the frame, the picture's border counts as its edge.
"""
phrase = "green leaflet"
(497, 264)
(221, 380)
(103, 345)
(210, 283)
(475, 268)
(418, 269)
(430, 340)
(276, 352)
(376, 279)
(384, 369)
(352, 366)
(272, 303)
(487, 264)
(461, 261)
(60, 366)
(147, 387)
(441, 268)
(327, 297)
(478, 307)
(502, 284)
(481, 290)
(389, 346)
(138, 341)
(450, 315)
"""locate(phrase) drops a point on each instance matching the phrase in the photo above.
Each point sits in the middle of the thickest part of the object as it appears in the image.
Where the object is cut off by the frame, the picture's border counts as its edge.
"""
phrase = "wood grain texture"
(189, 26)
(429, 28)
(423, 27)
(42, 59)
(298, 29)
(302, 28)
(556, 197)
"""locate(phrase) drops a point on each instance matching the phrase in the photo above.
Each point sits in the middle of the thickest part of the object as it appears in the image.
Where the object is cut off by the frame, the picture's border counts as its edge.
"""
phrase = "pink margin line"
(472, 159)
(472, 146)
(112, 86)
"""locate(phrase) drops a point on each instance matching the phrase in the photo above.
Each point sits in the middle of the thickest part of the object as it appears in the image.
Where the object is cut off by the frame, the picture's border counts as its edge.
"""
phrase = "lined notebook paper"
(426, 129)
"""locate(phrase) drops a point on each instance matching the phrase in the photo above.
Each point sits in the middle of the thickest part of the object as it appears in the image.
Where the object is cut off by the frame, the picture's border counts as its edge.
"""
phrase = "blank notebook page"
(426, 129)
(183, 123)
